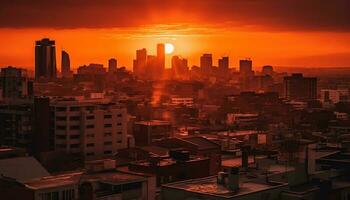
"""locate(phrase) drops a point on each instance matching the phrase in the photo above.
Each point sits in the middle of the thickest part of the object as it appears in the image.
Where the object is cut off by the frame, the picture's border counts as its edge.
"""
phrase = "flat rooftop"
(110, 177)
(168, 161)
(153, 123)
(209, 186)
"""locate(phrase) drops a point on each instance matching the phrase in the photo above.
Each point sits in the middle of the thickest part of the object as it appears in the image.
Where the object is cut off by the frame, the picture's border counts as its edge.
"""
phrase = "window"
(108, 116)
(91, 135)
(108, 125)
(60, 137)
(74, 146)
(75, 127)
(120, 115)
(90, 154)
(61, 127)
(119, 141)
(74, 118)
(90, 145)
(90, 126)
(108, 143)
(107, 152)
(119, 124)
(74, 136)
(90, 117)
(60, 146)
(61, 109)
(63, 118)
(108, 134)
(119, 132)
(74, 108)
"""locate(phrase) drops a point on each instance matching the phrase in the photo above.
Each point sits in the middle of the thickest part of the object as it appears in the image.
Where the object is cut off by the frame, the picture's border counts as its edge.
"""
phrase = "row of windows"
(63, 195)
(77, 127)
(64, 137)
(108, 152)
(107, 143)
(72, 146)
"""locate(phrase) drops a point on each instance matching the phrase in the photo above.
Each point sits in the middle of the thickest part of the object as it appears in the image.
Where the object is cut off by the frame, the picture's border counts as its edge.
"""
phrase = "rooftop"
(22, 168)
(153, 123)
(110, 177)
(209, 186)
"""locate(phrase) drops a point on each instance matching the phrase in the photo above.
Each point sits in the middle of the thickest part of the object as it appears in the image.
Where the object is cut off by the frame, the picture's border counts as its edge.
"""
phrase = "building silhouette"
(112, 65)
(140, 62)
(161, 56)
(45, 59)
(179, 67)
(298, 87)
(15, 84)
(65, 65)
(245, 67)
(206, 63)
(150, 66)
(223, 63)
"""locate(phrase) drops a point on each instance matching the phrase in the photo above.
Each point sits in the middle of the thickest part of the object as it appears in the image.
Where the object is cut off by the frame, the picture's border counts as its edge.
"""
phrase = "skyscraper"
(224, 63)
(206, 63)
(65, 65)
(45, 59)
(297, 87)
(140, 62)
(179, 67)
(245, 67)
(112, 65)
(161, 56)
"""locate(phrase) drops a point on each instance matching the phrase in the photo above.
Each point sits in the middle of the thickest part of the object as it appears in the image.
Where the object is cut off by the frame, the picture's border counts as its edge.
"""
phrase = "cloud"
(269, 15)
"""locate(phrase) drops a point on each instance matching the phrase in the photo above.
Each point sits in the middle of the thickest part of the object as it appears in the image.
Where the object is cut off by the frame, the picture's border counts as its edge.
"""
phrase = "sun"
(169, 48)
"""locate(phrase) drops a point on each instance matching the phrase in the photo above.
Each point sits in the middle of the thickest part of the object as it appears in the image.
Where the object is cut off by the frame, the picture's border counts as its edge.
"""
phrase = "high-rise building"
(161, 56)
(206, 63)
(297, 87)
(140, 62)
(112, 65)
(15, 84)
(179, 67)
(224, 63)
(45, 59)
(245, 67)
(65, 65)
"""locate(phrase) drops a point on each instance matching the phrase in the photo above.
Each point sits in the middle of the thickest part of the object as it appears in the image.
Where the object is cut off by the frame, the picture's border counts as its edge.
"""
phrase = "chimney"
(233, 179)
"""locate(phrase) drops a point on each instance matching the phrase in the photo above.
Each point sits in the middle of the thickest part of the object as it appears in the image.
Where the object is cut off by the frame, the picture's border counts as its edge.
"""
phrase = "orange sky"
(313, 48)
(302, 33)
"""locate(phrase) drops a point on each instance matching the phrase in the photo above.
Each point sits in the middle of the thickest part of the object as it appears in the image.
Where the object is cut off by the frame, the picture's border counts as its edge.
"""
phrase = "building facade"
(45, 59)
(91, 128)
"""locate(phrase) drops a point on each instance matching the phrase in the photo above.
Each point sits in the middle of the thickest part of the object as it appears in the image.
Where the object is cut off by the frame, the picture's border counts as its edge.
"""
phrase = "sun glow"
(169, 48)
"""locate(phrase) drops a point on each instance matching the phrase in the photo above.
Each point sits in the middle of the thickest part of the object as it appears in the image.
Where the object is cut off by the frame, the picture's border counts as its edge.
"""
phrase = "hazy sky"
(277, 32)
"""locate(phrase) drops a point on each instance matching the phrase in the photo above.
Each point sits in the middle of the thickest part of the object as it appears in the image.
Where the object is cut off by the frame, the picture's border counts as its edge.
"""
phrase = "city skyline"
(266, 31)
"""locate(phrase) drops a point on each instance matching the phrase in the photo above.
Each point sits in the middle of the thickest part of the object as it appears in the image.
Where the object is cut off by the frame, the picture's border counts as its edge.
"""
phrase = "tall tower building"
(140, 62)
(245, 67)
(65, 65)
(206, 63)
(161, 55)
(179, 67)
(45, 59)
(224, 63)
(112, 65)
